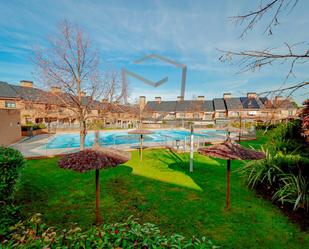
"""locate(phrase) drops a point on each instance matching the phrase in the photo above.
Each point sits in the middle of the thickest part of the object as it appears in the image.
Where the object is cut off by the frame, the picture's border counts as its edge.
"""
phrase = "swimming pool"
(110, 138)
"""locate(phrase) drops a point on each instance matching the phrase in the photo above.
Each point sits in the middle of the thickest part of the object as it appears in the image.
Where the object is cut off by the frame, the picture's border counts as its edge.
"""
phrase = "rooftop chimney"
(105, 100)
(158, 100)
(82, 93)
(201, 98)
(55, 89)
(251, 95)
(227, 95)
(26, 83)
(180, 98)
(142, 102)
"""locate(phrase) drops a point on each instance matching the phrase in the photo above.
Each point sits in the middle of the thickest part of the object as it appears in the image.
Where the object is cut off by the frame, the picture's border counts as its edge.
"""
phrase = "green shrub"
(265, 126)
(9, 215)
(41, 126)
(11, 161)
(95, 125)
(287, 138)
(294, 189)
(286, 178)
(266, 171)
(34, 127)
(130, 234)
(244, 125)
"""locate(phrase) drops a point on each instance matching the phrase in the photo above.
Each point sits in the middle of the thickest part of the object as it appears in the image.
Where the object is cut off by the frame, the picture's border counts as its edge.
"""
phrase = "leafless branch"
(273, 7)
(69, 62)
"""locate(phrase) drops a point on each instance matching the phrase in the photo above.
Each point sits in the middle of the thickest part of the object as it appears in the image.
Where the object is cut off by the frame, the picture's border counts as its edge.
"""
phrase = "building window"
(290, 112)
(221, 114)
(234, 114)
(196, 115)
(10, 104)
(251, 113)
(181, 115)
(208, 116)
(171, 115)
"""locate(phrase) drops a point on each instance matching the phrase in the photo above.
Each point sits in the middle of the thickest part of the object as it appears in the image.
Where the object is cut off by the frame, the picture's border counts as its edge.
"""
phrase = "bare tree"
(251, 60)
(117, 89)
(70, 63)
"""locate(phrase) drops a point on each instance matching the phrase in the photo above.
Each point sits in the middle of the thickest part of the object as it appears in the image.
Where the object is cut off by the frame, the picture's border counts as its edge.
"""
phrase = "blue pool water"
(107, 138)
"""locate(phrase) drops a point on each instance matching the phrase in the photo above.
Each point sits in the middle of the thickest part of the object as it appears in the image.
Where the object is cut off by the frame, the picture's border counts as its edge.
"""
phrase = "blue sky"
(189, 32)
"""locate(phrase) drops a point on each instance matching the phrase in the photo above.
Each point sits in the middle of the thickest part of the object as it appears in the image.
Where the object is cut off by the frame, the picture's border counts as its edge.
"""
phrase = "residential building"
(53, 106)
(218, 111)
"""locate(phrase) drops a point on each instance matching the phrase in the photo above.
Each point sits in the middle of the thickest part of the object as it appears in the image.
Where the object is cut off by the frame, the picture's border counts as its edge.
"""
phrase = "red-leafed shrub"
(305, 118)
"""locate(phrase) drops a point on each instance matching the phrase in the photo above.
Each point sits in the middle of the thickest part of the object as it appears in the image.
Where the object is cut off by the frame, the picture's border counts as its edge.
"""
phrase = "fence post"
(198, 142)
(191, 148)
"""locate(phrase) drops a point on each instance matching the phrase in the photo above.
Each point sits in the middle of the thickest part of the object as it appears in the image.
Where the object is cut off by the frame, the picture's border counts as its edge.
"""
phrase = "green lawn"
(160, 190)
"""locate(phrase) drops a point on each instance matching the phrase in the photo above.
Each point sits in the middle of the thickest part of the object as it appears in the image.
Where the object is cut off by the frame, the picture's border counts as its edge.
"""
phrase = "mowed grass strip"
(161, 190)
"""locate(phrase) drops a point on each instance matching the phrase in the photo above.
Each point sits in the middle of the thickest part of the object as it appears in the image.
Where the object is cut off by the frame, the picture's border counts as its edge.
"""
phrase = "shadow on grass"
(252, 222)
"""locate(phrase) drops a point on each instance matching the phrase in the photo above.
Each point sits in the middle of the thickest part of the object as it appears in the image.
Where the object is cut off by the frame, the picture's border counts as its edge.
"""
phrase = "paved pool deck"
(36, 146)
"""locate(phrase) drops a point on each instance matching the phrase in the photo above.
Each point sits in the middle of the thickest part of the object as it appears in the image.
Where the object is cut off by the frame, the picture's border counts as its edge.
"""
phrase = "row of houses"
(218, 110)
(38, 106)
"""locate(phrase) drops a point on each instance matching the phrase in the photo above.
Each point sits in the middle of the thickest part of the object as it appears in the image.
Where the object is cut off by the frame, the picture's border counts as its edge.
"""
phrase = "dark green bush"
(96, 125)
(293, 189)
(34, 127)
(287, 138)
(265, 126)
(244, 125)
(130, 234)
(11, 161)
(41, 126)
(286, 178)
(284, 173)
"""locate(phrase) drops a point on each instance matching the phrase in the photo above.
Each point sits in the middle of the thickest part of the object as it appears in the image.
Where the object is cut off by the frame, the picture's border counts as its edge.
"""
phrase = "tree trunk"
(97, 188)
(96, 137)
(228, 176)
(48, 127)
(82, 132)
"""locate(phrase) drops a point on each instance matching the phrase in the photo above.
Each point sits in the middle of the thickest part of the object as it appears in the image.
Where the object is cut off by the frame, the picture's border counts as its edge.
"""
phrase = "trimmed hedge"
(34, 127)
(11, 161)
(130, 234)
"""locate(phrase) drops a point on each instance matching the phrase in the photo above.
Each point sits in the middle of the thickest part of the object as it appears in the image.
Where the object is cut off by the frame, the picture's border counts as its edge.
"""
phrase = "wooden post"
(97, 188)
(141, 148)
(228, 176)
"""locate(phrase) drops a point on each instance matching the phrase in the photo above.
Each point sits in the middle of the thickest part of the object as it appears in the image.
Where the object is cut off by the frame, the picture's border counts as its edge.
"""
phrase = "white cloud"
(187, 31)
